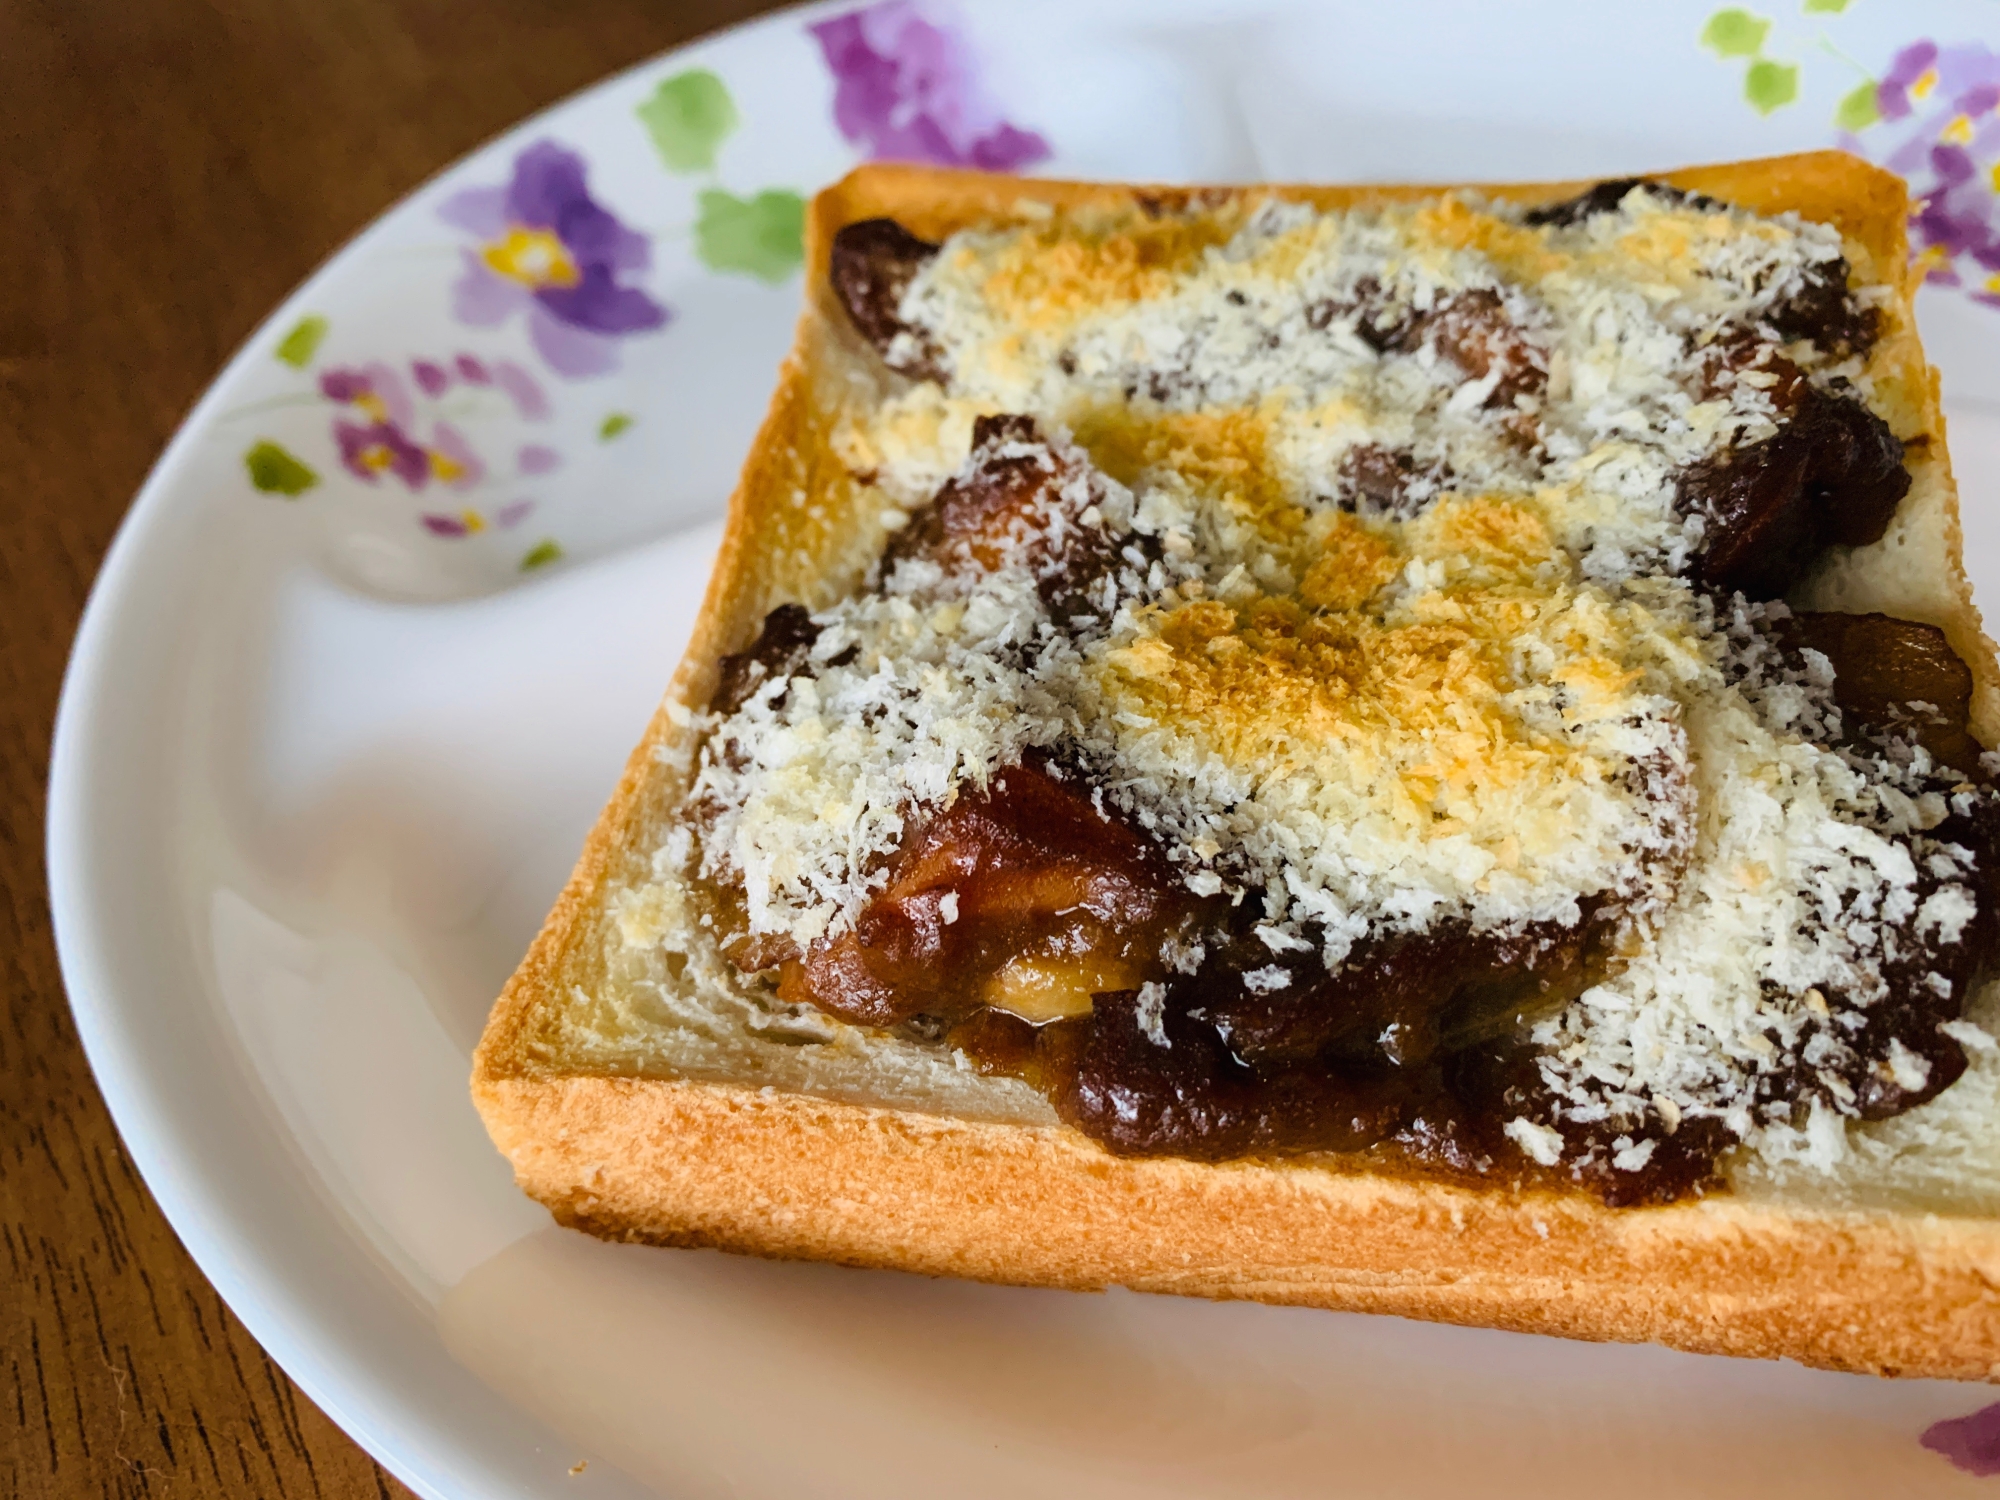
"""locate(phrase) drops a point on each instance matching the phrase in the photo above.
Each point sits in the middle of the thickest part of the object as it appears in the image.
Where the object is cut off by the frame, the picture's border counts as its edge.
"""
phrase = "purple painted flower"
(374, 389)
(549, 248)
(907, 88)
(382, 444)
(1940, 103)
(1908, 67)
(378, 416)
(1972, 1442)
(381, 448)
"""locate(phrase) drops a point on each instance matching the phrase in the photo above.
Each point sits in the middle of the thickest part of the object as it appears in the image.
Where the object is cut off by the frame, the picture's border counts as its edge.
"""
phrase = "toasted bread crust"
(796, 1177)
(682, 1162)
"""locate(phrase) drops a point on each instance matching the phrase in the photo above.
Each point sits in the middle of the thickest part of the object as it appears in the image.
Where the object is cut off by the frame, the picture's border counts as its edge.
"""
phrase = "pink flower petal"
(390, 389)
(482, 299)
(450, 443)
(1972, 1443)
(526, 392)
(481, 211)
(431, 377)
(571, 351)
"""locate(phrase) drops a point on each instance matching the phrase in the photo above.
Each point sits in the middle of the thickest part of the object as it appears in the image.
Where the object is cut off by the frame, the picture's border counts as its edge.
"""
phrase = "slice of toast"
(639, 1096)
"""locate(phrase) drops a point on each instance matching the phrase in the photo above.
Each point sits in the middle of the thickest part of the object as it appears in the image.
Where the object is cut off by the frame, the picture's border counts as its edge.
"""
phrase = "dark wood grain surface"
(169, 169)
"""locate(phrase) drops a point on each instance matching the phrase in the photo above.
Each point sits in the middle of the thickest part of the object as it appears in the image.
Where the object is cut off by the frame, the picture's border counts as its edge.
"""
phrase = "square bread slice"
(639, 1097)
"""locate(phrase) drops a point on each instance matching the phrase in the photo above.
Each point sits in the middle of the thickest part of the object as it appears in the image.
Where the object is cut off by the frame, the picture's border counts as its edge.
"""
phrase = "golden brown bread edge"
(679, 1162)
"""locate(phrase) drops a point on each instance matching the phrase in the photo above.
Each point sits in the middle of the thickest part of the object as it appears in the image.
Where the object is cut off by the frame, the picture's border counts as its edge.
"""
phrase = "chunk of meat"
(1023, 896)
(1928, 981)
(1461, 1127)
(1192, 1098)
(1832, 475)
(1016, 499)
(1824, 311)
(1475, 332)
(1744, 358)
(1891, 1055)
(1608, 197)
(872, 264)
(782, 649)
(1893, 676)
(1373, 480)
(994, 504)
(1381, 321)
(1401, 997)
(1472, 330)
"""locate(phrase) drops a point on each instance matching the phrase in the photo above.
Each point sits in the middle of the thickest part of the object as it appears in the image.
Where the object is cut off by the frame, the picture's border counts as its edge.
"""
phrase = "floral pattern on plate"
(388, 427)
(1937, 111)
(909, 87)
(550, 268)
(688, 117)
(548, 248)
(1932, 117)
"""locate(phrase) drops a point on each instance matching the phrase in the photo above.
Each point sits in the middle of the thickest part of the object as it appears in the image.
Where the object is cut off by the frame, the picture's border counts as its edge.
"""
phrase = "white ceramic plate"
(381, 626)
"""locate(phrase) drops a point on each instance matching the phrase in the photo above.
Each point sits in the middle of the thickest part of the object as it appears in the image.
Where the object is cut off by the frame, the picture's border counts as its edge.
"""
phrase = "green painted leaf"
(688, 116)
(299, 346)
(1770, 84)
(1859, 109)
(1735, 33)
(1826, 7)
(544, 552)
(762, 236)
(276, 472)
(612, 425)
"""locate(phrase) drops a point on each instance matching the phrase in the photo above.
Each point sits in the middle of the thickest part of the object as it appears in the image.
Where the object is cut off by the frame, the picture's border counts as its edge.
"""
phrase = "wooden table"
(169, 169)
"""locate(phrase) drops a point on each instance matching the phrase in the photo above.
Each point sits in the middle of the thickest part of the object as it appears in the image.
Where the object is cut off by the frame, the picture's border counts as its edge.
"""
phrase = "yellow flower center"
(533, 257)
(1926, 82)
(376, 456)
(1958, 132)
(445, 468)
(474, 522)
(373, 405)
